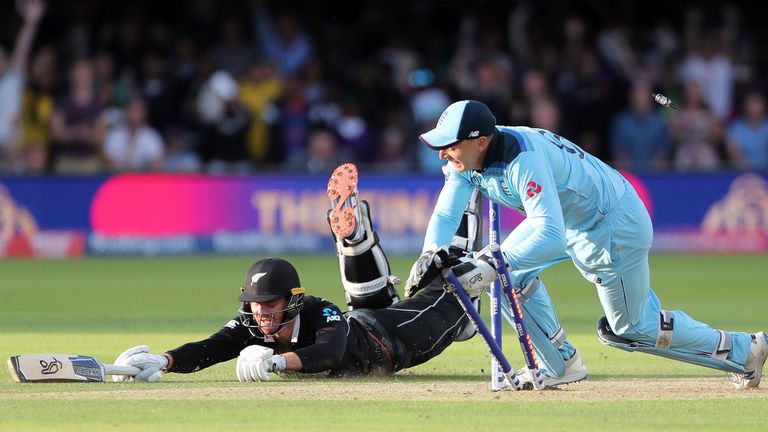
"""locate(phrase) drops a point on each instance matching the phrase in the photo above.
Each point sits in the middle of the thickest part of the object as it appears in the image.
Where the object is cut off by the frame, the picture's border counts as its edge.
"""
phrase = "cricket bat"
(63, 368)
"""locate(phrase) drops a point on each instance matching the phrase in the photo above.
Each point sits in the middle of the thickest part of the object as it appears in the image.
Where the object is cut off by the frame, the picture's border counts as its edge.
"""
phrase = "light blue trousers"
(613, 255)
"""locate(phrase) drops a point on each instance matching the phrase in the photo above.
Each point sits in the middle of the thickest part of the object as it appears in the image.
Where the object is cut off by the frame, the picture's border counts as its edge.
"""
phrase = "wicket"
(502, 375)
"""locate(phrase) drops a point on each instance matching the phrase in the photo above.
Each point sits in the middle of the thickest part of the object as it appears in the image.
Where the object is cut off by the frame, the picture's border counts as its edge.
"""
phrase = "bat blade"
(62, 368)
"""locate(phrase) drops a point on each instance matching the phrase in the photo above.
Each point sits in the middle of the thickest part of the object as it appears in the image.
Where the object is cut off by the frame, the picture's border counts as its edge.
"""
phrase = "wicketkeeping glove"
(256, 362)
(151, 365)
(427, 268)
(475, 274)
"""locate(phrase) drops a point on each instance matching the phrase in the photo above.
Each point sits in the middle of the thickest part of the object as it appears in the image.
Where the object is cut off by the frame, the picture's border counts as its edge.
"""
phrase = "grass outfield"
(102, 306)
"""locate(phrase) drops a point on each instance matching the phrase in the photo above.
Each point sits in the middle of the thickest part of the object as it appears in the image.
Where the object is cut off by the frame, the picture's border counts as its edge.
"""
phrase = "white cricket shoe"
(575, 371)
(758, 352)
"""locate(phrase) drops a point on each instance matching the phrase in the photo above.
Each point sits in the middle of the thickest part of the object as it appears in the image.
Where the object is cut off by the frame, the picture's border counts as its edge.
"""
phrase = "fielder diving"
(576, 208)
(279, 328)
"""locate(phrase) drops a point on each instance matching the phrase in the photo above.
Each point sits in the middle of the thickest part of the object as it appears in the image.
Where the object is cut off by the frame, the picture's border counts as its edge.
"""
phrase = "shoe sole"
(529, 385)
(342, 185)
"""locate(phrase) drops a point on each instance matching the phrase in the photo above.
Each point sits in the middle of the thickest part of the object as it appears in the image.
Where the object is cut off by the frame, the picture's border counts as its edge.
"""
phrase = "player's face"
(269, 315)
(467, 154)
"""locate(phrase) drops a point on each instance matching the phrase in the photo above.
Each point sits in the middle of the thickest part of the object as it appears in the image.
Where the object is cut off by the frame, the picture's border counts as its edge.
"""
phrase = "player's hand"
(31, 10)
(256, 362)
(151, 365)
(427, 268)
(475, 274)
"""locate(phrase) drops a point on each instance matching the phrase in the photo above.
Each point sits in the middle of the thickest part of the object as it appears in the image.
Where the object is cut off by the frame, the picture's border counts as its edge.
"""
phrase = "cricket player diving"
(281, 328)
(576, 208)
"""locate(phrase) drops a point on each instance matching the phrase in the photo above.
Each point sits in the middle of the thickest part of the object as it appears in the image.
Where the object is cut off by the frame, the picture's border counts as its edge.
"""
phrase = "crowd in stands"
(250, 86)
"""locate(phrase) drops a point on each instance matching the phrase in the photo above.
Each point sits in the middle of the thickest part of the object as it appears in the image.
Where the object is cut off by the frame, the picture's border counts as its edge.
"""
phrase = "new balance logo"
(474, 134)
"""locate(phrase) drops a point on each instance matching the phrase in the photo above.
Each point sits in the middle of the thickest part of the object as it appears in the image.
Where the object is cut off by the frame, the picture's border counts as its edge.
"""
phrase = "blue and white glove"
(256, 362)
(475, 274)
(151, 365)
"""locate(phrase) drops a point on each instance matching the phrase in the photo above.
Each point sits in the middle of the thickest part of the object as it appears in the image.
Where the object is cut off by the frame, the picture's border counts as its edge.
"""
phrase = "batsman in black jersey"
(279, 328)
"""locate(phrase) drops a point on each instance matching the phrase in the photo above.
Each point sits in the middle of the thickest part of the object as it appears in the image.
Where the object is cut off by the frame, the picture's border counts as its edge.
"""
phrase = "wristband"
(278, 363)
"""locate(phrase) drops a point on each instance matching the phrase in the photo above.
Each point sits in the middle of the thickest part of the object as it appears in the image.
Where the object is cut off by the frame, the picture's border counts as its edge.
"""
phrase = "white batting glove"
(151, 365)
(255, 362)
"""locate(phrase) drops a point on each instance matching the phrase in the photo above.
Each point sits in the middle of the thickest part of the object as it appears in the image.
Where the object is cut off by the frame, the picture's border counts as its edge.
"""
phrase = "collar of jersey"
(495, 149)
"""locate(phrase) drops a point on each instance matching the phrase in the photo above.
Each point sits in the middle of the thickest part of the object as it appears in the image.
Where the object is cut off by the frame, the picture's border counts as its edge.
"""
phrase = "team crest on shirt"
(533, 189)
(231, 324)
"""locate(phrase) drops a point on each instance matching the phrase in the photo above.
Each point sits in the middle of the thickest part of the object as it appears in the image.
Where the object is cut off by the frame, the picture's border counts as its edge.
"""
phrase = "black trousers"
(414, 330)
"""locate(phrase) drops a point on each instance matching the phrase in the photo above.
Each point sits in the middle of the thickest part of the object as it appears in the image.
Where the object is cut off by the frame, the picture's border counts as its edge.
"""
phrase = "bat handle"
(121, 370)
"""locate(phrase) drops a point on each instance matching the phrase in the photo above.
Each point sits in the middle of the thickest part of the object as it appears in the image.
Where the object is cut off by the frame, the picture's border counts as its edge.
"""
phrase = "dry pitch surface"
(586, 391)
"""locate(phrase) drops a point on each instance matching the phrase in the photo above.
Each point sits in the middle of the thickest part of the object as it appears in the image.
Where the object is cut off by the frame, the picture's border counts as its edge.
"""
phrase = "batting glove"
(256, 362)
(151, 365)
(427, 268)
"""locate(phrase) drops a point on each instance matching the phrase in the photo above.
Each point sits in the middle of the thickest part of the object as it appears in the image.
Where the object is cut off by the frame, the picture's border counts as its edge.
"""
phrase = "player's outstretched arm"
(151, 365)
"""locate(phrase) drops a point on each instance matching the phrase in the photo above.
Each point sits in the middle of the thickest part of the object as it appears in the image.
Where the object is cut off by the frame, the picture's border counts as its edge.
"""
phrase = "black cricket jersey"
(324, 341)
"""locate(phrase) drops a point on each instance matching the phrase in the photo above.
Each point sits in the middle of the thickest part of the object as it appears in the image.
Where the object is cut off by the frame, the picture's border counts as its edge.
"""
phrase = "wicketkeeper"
(280, 328)
(576, 208)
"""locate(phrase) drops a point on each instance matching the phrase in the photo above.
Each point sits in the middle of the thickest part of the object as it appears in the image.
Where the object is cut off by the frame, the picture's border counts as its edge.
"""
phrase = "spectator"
(355, 134)
(323, 152)
(12, 77)
(585, 95)
(747, 137)
(76, 126)
(639, 135)
(695, 133)
(393, 154)
(231, 53)
(545, 114)
(493, 79)
(535, 88)
(259, 92)
(712, 69)
(285, 43)
(111, 91)
(225, 124)
(427, 103)
(157, 92)
(401, 59)
(294, 123)
(568, 57)
(179, 156)
(134, 145)
(37, 111)
(326, 111)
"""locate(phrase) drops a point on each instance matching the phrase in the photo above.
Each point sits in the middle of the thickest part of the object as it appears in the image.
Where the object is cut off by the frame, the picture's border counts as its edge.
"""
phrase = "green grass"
(102, 306)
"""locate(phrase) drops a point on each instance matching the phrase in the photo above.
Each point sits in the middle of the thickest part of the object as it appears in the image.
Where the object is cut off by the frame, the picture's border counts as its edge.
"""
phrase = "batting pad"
(607, 337)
